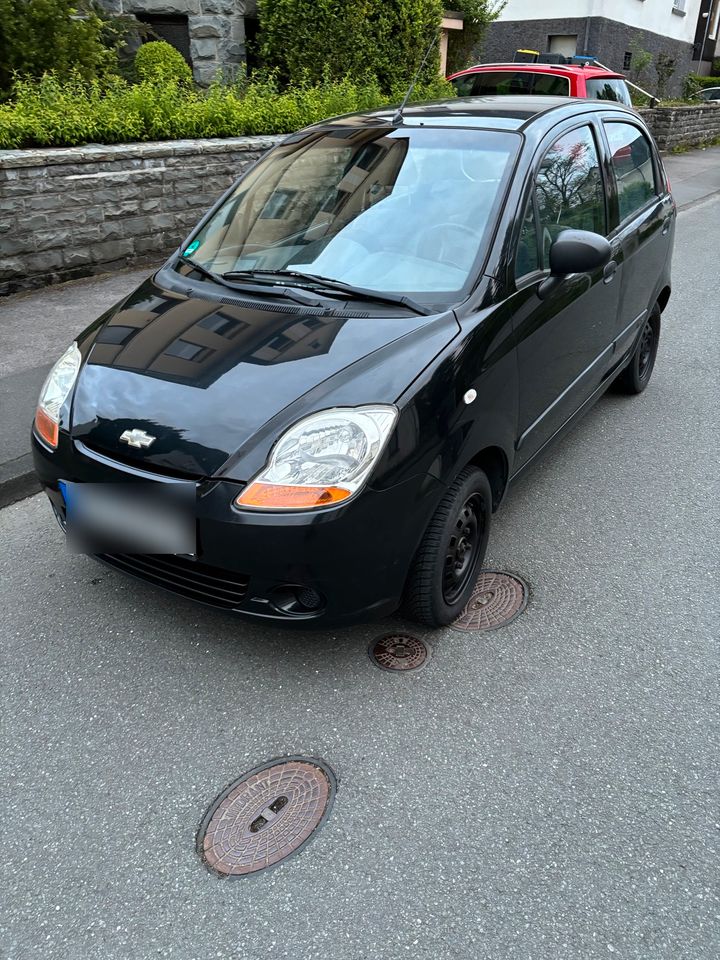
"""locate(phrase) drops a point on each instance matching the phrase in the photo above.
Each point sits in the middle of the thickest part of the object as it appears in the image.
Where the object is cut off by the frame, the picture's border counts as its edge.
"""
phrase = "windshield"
(399, 210)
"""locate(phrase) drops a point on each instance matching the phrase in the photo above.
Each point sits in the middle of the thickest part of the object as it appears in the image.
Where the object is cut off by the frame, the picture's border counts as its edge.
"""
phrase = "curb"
(17, 480)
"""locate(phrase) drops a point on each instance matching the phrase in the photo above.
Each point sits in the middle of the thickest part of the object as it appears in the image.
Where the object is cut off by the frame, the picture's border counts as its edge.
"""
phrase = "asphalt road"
(546, 791)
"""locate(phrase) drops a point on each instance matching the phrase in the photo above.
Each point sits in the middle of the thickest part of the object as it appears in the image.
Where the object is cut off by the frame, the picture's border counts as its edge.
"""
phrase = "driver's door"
(564, 341)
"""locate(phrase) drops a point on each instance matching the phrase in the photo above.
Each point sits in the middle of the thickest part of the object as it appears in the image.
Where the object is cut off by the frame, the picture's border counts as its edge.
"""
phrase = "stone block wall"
(682, 126)
(216, 31)
(68, 213)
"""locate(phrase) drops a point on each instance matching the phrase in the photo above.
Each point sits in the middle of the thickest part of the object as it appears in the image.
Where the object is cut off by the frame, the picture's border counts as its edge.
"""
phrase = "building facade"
(608, 30)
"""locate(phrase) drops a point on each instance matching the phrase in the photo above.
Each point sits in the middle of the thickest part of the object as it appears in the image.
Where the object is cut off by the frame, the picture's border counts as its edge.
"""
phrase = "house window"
(563, 43)
(627, 60)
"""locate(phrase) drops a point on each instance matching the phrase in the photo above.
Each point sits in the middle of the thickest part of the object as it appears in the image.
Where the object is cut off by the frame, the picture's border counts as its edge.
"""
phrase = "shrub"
(464, 45)
(694, 82)
(54, 113)
(159, 62)
(664, 68)
(41, 35)
(640, 60)
(381, 40)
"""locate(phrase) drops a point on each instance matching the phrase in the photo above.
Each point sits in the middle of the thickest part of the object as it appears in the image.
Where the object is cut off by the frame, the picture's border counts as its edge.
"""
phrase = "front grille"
(190, 578)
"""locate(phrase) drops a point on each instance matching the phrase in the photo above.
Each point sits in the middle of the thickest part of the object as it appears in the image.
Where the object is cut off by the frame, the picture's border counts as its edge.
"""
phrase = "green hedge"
(158, 62)
(694, 82)
(384, 40)
(54, 113)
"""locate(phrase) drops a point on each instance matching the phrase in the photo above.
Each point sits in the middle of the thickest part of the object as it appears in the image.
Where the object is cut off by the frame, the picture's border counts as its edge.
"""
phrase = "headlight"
(321, 460)
(55, 392)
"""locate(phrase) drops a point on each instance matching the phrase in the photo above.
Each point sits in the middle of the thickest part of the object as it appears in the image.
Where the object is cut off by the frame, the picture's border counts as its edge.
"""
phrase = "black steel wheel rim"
(462, 549)
(645, 351)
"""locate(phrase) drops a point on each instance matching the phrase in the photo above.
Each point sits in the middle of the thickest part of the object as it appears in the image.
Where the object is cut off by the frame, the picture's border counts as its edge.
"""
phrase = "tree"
(464, 45)
(665, 65)
(62, 36)
(640, 60)
(385, 40)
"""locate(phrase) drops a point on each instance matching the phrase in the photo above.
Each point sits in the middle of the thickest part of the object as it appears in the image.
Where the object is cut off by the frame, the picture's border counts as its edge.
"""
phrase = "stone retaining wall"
(68, 213)
(684, 126)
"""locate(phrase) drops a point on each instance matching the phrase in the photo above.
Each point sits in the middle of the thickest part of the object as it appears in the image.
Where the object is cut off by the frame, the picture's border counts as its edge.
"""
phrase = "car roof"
(567, 68)
(492, 112)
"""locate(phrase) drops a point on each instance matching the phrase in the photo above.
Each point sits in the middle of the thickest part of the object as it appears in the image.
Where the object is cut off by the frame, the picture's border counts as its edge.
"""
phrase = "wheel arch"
(663, 297)
(494, 462)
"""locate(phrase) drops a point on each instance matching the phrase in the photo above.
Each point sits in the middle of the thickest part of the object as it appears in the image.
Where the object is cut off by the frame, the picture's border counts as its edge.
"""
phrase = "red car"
(549, 79)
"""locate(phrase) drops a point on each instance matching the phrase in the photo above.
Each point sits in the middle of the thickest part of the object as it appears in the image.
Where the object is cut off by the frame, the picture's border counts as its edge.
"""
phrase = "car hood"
(204, 376)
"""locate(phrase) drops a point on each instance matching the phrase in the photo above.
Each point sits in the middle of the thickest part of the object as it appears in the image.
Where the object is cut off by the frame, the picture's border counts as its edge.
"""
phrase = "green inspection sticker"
(192, 248)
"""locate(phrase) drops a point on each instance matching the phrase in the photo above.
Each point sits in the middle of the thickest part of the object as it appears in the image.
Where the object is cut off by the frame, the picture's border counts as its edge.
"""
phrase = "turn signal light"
(275, 496)
(46, 427)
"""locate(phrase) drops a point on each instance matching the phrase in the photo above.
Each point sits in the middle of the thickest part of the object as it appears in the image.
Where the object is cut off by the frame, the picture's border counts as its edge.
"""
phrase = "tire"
(636, 375)
(446, 565)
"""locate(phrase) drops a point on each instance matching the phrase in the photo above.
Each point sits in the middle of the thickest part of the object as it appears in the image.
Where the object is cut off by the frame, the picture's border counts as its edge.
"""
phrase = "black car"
(310, 412)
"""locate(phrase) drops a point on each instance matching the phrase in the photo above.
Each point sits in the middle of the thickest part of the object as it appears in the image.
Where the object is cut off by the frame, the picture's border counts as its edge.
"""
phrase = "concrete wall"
(655, 16)
(68, 213)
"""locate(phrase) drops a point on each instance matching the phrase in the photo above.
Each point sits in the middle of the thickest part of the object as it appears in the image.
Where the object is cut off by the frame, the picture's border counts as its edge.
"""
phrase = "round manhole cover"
(265, 816)
(496, 600)
(399, 651)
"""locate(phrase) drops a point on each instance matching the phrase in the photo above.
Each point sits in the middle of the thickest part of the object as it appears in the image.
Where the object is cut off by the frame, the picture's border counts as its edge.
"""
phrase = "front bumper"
(339, 565)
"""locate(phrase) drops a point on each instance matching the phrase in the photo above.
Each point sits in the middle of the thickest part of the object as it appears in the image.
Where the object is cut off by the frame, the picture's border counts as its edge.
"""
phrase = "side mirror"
(575, 251)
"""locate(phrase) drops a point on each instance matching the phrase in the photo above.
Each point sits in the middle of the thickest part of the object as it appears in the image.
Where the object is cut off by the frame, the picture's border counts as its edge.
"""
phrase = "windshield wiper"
(312, 280)
(259, 286)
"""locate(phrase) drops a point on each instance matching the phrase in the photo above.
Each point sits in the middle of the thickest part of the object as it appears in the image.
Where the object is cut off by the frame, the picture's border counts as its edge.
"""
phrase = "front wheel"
(446, 565)
(636, 375)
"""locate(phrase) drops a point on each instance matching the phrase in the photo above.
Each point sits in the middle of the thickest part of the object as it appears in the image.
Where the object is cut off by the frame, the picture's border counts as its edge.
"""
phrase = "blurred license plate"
(130, 517)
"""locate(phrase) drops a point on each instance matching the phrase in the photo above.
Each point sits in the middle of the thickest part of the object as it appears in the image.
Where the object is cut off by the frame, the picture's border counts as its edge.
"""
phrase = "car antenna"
(397, 119)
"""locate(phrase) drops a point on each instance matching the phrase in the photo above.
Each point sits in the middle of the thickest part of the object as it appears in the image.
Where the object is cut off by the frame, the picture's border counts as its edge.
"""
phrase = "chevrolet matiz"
(311, 411)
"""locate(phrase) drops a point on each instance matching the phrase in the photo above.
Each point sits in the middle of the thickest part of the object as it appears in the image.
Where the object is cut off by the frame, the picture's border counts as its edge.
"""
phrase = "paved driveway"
(544, 791)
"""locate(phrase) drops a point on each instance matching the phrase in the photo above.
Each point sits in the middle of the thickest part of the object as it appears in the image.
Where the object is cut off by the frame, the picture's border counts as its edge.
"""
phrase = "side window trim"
(590, 120)
(560, 130)
(622, 222)
(525, 279)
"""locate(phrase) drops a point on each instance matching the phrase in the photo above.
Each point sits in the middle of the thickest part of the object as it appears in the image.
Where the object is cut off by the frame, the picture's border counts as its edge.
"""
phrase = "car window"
(527, 258)
(464, 85)
(390, 209)
(601, 88)
(569, 188)
(507, 82)
(631, 156)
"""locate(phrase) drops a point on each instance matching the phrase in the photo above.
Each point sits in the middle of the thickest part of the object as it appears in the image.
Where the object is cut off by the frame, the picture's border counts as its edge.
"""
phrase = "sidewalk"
(36, 327)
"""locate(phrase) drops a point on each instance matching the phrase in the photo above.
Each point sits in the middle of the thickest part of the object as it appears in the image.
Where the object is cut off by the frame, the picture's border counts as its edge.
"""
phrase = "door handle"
(610, 271)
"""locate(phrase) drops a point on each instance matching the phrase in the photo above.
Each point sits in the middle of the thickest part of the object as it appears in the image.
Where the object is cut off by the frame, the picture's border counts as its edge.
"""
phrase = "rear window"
(610, 88)
(505, 82)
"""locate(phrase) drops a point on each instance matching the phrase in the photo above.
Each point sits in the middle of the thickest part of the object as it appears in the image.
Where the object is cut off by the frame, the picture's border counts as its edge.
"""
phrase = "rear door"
(564, 341)
(642, 220)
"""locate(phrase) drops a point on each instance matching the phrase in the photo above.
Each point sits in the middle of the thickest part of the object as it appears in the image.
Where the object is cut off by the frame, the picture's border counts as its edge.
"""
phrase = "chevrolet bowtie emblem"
(137, 438)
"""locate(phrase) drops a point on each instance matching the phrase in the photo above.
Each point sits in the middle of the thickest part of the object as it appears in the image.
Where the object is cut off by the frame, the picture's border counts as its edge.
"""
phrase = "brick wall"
(68, 213)
(684, 126)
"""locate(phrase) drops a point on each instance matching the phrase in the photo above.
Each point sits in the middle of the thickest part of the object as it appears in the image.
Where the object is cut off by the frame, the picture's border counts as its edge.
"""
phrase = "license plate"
(130, 517)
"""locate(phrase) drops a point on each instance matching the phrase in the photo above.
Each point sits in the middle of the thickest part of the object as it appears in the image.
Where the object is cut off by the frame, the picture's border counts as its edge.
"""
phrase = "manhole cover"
(496, 600)
(265, 816)
(399, 651)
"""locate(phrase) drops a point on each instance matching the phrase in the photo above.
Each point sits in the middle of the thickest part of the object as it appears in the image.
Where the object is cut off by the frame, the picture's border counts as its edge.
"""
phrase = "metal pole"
(708, 15)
